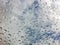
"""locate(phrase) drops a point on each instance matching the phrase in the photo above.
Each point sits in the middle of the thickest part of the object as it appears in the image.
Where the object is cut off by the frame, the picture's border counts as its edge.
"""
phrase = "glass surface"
(30, 22)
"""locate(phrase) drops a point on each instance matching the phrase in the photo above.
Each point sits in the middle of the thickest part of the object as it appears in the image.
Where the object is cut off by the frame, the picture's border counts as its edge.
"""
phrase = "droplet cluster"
(33, 23)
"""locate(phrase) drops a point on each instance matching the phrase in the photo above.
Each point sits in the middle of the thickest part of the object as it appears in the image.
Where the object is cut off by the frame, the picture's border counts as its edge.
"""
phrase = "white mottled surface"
(23, 24)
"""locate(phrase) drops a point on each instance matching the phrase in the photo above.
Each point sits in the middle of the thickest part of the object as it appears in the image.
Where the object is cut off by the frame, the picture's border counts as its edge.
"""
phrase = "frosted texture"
(31, 22)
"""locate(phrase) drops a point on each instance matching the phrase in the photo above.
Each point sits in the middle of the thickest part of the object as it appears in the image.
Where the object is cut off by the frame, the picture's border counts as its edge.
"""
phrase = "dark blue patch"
(33, 35)
(35, 4)
(56, 36)
(49, 33)
(30, 32)
(38, 36)
(35, 7)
